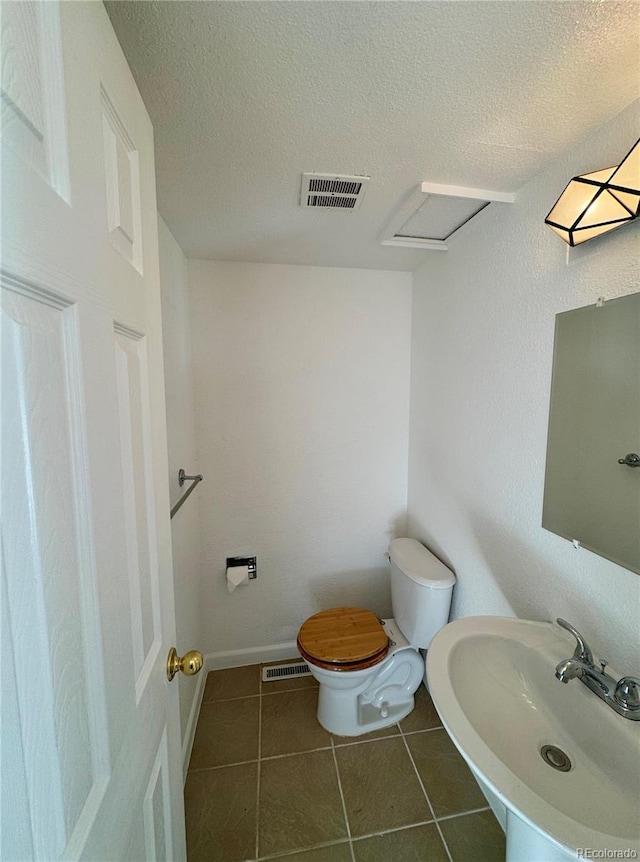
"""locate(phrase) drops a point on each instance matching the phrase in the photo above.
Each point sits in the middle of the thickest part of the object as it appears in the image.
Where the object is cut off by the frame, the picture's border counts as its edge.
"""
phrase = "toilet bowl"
(369, 669)
(358, 697)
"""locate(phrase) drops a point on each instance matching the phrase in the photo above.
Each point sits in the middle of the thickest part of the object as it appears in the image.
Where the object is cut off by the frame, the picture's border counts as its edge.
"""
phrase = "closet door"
(91, 765)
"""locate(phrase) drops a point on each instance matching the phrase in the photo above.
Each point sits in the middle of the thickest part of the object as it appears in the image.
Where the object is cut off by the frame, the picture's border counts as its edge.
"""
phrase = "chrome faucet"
(622, 696)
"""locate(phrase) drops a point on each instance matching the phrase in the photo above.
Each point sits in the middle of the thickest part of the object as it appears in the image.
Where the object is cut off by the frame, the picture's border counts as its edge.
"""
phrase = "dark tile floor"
(266, 781)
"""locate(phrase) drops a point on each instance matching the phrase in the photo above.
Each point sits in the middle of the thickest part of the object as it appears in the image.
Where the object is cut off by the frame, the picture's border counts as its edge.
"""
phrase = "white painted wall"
(181, 441)
(483, 325)
(302, 402)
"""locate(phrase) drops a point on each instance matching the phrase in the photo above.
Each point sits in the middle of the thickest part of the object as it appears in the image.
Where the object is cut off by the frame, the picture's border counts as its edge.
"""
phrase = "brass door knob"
(190, 663)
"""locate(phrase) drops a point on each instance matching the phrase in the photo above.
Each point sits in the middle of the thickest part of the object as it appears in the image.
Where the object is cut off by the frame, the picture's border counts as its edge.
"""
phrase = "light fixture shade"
(598, 202)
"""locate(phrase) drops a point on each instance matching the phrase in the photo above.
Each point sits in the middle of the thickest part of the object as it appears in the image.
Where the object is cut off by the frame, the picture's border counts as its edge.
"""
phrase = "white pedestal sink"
(493, 682)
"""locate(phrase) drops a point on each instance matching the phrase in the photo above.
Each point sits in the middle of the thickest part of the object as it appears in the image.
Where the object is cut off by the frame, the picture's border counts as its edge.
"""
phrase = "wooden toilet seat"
(343, 639)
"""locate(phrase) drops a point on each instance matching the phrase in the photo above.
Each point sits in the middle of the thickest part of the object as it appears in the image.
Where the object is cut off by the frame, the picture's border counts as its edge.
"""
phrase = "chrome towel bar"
(182, 478)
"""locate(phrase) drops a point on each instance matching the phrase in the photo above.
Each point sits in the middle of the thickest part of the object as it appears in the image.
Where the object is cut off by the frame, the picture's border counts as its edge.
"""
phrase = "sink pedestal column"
(526, 844)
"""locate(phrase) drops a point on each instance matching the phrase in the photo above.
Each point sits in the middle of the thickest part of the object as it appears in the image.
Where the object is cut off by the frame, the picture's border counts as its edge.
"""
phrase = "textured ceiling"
(245, 96)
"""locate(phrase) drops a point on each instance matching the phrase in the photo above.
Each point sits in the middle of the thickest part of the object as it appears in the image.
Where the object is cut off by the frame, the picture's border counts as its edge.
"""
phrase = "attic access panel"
(435, 213)
(439, 217)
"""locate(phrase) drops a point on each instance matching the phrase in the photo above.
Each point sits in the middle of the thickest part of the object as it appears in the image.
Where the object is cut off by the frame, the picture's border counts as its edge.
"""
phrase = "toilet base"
(357, 702)
(369, 718)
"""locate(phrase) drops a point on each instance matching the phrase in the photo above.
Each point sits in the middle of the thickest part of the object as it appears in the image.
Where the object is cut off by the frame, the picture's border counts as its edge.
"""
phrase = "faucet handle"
(582, 651)
(627, 693)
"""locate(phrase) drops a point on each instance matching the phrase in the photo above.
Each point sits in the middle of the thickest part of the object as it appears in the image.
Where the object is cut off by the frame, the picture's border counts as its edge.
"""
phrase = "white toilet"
(369, 669)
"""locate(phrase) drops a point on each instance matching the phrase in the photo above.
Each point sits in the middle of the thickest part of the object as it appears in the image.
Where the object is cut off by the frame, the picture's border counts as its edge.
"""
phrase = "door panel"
(90, 729)
(133, 404)
(33, 114)
(51, 600)
(157, 802)
(122, 181)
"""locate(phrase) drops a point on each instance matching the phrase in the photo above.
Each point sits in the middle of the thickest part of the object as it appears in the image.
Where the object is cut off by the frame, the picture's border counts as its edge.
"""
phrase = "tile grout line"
(311, 750)
(344, 806)
(356, 740)
(223, 765)
(377, 834)
(289, 690)
(426, 796)
(227, 699)
(464, 813)
(422, 730)
(340, 841)
(320, 846)
(249, 696)
(259, 769)
(393, 829)
(296, 753)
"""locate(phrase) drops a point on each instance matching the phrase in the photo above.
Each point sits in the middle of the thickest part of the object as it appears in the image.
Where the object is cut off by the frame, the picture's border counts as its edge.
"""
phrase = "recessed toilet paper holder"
(249, 562)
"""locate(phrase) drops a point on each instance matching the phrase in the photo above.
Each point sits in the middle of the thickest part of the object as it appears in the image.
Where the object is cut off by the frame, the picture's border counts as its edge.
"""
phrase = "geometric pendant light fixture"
(593, 204)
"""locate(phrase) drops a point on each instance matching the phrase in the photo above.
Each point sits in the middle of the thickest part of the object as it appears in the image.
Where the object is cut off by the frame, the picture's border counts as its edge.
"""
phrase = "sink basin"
(493, 682)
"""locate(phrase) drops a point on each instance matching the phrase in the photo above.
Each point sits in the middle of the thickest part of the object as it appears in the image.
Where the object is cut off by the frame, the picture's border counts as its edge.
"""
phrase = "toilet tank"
(421, 588)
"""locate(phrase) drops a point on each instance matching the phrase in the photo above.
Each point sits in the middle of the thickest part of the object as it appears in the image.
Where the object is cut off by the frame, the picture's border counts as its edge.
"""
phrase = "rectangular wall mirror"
(594, 424)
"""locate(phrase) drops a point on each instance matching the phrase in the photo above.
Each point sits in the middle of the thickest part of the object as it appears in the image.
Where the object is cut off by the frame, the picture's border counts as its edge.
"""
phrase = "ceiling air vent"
(434, 214)
(332, 191)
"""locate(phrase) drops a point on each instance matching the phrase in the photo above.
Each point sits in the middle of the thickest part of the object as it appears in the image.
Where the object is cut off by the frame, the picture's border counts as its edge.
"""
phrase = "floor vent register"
(273, 672)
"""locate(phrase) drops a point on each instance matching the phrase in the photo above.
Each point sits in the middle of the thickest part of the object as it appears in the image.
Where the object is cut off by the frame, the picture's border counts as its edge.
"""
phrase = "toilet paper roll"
(237, 575)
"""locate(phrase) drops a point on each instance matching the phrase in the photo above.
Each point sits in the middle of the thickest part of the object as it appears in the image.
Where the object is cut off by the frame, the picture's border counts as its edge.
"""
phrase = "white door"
(90, 728)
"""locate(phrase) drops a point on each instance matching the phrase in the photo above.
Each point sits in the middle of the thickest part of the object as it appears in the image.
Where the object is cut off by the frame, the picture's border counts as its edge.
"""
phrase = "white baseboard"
(219, 661)
(251, 655)
(190, 733)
